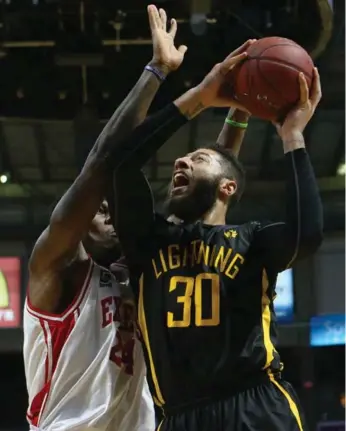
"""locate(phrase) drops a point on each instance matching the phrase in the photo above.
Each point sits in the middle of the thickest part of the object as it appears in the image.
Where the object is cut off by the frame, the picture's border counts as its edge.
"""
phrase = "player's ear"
(227, 187)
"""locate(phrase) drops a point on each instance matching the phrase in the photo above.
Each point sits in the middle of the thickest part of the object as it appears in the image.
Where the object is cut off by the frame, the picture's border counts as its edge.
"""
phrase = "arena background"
(64, 67)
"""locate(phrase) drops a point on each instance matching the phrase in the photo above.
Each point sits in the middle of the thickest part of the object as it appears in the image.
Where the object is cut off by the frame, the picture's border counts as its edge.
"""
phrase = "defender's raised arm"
(60, 243)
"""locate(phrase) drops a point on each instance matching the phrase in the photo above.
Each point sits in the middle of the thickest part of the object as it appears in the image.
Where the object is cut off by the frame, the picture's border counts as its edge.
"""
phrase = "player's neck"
(216, 215)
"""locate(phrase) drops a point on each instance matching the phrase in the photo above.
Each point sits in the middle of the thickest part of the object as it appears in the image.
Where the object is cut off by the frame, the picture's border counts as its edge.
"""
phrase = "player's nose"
(182, 163)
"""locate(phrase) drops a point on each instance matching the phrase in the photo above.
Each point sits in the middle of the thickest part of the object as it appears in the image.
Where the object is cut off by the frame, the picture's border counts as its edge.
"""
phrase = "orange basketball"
(266, 83)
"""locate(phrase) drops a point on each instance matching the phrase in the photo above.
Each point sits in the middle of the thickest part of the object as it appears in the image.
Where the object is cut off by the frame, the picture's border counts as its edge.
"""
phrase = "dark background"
(64, 68)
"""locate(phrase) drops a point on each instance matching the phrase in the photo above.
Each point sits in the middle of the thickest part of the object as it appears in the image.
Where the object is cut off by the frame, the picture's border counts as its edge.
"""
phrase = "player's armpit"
(302, 231)
(280, 247)
(277, 246)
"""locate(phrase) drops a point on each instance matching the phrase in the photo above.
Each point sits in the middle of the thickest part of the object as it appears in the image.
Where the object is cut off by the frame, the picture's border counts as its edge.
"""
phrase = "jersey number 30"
(194, 288)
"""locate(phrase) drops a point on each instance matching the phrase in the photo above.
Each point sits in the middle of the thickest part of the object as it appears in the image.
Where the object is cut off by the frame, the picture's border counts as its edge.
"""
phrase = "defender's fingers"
(154, 17)
(182, 49)
(173, 28)
(151, 17)
(304, 89)
(316, 90)
(163, 17)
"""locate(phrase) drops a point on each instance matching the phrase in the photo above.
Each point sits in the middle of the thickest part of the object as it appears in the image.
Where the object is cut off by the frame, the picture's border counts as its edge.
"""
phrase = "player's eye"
(103, 210)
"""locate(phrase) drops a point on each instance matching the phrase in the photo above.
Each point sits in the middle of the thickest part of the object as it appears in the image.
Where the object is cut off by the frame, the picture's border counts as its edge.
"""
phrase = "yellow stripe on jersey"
(159, 400)
(291, 403)
(266, 320)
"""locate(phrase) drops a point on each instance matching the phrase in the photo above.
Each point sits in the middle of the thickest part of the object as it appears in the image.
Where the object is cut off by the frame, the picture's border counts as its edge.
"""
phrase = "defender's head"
(102, 242)
(203, 179)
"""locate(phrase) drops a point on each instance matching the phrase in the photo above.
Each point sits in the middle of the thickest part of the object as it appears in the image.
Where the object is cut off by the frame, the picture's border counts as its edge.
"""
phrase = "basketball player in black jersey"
(205, 289)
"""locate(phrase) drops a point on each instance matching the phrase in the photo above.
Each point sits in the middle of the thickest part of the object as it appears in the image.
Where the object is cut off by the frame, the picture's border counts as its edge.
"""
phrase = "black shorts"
(271, 406)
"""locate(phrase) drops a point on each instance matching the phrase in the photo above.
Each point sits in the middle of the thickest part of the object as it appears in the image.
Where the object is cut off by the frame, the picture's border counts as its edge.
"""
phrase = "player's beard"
(191, 206)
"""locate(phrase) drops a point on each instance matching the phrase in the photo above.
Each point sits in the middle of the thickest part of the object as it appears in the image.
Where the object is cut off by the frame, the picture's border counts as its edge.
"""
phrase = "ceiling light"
(341, 169)
(3, 179)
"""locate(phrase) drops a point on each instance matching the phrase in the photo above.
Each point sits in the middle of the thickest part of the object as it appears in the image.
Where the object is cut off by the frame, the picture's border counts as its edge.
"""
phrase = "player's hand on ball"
(165, 55)
(296, 121)
(215, 89)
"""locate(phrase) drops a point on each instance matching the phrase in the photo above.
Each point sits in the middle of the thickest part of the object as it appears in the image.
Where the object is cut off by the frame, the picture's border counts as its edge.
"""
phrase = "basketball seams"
(249, 78)
(269, 82)
(264, 77)
(280, 62)
(266, 48)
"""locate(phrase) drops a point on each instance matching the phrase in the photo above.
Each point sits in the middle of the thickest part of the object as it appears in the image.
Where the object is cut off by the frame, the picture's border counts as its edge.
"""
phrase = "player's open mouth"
(180, 181)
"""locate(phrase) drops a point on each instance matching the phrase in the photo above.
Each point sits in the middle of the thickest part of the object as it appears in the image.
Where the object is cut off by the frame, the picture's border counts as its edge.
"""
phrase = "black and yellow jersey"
(205, 309)
(205, 293)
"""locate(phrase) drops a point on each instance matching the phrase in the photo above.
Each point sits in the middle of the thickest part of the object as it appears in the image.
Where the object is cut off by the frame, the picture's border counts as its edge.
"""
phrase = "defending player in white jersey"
(81, 371)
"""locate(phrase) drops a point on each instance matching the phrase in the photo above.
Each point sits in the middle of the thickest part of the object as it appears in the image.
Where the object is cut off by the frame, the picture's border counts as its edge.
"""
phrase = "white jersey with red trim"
(80, 373)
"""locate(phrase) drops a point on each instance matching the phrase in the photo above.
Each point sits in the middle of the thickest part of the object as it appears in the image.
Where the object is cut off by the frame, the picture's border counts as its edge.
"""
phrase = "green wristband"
(236, 124)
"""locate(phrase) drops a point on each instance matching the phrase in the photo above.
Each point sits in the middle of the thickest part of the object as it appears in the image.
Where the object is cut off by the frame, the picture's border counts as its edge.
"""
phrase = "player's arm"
(233, 131)
(60, 244)
(149, 136)
(301, 233)
(158, 128)
(130, 184)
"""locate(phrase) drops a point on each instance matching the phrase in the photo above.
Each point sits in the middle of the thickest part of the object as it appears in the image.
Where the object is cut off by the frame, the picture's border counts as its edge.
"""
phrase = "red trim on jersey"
(76, 302)
(46, 362)
(55, 335)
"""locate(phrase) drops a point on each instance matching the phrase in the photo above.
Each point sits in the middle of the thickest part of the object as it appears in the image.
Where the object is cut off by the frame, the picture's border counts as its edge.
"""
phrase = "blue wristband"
(156, 72)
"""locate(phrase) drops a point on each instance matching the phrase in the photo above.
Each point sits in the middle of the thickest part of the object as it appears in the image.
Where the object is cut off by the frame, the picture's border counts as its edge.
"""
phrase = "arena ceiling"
(56, 55)
(65, 65)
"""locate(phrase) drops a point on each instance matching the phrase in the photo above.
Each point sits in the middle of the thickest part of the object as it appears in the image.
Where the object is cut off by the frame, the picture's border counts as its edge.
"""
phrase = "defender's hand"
(215, 89)
(165, 56)
(296, 121)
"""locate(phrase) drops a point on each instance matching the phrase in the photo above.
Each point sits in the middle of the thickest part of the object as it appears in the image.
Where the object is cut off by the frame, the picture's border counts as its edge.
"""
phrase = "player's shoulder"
(245, 231)
(266, 224)
(243, 228)
(164, 225)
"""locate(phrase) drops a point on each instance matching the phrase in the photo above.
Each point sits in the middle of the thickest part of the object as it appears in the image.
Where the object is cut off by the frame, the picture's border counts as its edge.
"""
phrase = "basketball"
(267, 82)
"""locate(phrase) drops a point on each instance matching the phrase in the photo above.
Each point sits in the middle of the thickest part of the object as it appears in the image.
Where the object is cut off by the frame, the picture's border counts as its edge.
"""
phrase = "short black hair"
(233, 169)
